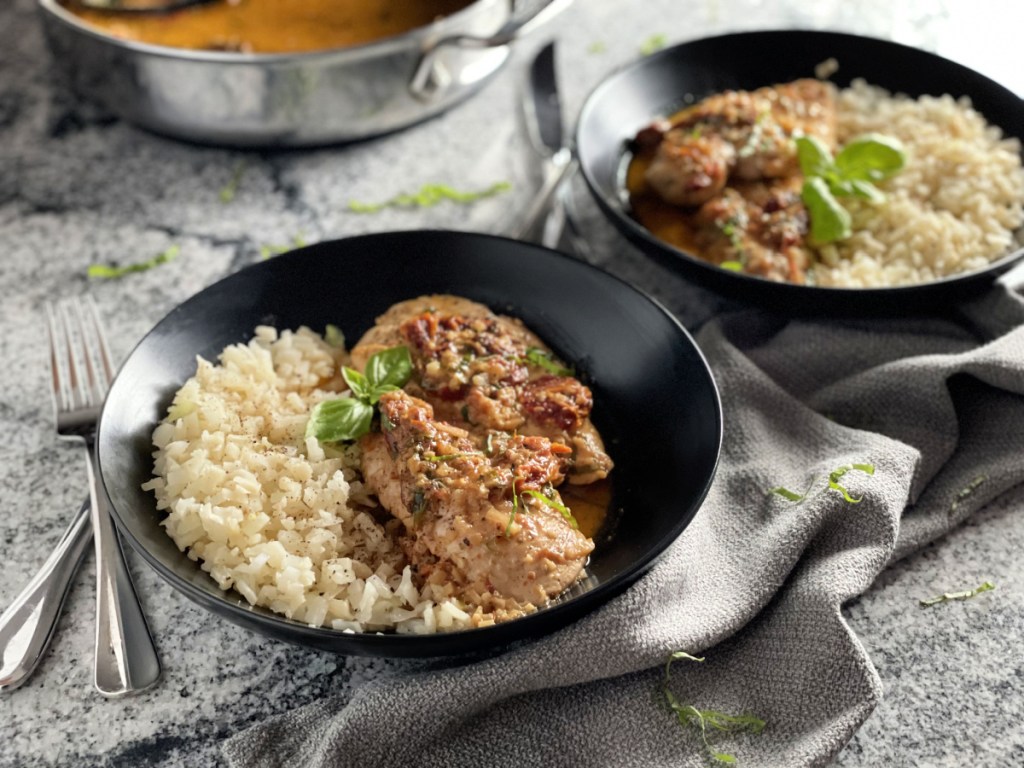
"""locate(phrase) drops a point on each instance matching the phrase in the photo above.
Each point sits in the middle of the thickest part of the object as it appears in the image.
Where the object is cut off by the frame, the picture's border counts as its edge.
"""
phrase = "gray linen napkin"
(755, 584)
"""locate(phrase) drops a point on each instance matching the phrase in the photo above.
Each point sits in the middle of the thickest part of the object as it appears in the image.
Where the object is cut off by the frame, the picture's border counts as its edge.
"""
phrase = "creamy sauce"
(669, 223)
(272, 26)
(588, 504)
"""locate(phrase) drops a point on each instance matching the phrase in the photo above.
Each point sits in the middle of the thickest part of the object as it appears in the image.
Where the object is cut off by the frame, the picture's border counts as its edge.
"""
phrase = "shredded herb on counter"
(348, 418)
(598, 46)
(268, 250)
(687, 714)
(652, 44)
(109, 271)
(229, 190)
(945, 597)
(428, 196)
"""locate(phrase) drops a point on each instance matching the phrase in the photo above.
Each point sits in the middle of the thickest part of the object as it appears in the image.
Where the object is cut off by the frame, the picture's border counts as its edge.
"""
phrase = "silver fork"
(126, 660)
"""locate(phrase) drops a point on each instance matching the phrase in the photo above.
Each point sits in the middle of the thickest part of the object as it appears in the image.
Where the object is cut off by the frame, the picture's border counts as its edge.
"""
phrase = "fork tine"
(93, 387)
(58, 380)
(76, 382)
(106, 366)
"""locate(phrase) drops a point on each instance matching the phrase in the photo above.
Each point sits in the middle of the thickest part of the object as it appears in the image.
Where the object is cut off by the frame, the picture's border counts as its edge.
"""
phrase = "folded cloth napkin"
(928, 417)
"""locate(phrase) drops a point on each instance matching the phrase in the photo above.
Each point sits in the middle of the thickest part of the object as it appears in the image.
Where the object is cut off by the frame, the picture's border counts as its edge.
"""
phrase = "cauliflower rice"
(953, 208)
(274, 515)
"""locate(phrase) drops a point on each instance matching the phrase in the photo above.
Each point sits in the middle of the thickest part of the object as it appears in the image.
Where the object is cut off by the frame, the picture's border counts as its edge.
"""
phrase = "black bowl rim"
(670, 254)
(392, 643)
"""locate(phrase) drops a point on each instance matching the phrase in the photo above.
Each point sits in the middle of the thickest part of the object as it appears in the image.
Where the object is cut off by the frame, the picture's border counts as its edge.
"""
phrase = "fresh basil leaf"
(345, 418)
(871, 157)
(357, 382)
(815, 158)
(867, 191)
(389, 367)
(829, 220)
(373, 397)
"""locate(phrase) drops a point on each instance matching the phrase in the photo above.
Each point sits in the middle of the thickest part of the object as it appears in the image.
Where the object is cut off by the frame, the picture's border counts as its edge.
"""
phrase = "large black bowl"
(655, 400)
(629, 98)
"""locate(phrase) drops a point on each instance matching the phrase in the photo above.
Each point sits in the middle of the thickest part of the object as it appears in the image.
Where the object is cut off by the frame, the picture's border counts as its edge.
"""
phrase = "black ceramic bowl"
(628, 99)
(655, 400)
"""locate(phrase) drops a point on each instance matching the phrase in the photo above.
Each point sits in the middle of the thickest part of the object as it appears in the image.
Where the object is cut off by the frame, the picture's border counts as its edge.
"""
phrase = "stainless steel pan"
(296, 99)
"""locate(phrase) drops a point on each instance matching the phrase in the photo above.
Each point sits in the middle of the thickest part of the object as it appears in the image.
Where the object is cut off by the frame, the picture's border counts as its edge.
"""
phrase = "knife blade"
(542, 109)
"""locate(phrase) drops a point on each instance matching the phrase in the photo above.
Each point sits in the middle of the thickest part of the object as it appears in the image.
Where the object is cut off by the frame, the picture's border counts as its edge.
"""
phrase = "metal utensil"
(27, 626)
(126, 660)
(542, 108)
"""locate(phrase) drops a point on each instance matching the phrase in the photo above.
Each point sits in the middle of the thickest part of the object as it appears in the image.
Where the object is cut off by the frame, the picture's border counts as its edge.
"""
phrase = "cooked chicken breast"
(485, 372)
(748, 133)
(490, 519)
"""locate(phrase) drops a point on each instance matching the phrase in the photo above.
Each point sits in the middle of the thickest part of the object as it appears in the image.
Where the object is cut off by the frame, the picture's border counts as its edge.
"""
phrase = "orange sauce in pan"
(271, 26)
(669, 223)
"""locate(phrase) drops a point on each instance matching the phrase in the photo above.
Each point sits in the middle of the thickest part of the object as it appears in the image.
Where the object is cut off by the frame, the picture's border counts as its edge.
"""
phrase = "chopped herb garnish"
(687, 714)
(348, 418)
(652, 44)
(428, 196)
(107, 271)
(448, 456)
(545, 360)
(228, 191)
(732, 266)
(554, 505)
(945, 597)
(515, 506)
(334, 337)
(419, 505)
(853, 173)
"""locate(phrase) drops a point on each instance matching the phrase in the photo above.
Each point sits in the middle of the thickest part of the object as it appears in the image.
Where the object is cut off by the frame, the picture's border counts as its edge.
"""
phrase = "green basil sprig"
(853, 172)
(348, 418)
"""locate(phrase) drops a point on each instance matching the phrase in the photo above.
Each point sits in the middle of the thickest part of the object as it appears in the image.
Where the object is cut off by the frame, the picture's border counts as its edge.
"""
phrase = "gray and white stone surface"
(79, 187)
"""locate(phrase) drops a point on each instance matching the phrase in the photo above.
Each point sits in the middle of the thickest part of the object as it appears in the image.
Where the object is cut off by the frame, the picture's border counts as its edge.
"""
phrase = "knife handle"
(27, 626)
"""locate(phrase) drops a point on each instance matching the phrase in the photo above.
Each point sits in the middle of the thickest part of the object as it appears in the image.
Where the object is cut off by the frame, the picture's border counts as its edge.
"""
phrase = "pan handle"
(431, 78)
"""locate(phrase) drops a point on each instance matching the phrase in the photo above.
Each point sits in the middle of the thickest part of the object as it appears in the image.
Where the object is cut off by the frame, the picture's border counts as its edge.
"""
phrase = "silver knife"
(542, 108)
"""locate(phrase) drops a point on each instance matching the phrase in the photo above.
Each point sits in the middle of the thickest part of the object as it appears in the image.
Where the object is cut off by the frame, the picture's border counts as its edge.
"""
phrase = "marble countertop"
(78, 186)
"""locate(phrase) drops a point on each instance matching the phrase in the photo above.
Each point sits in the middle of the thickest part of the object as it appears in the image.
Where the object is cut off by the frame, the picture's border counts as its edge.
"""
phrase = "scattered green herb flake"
(554, 505)
(687, 714)
(348, 418)
(229, 190)
(963, 493)
(833, 479)
(268, 250)
(334, 336)
(598, 46)
(946, 597)
(108, 271)
(852, 173)
(430, 195)
(787, 494)
(545, 360)
(652, 44)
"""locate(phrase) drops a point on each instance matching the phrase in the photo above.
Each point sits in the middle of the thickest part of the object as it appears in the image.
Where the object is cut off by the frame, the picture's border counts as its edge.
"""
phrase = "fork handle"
(27, 626)
(126, 658)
